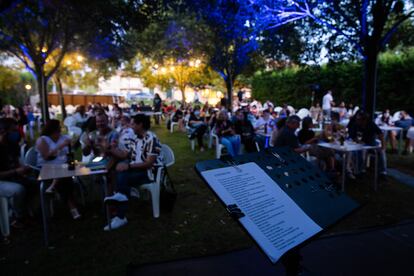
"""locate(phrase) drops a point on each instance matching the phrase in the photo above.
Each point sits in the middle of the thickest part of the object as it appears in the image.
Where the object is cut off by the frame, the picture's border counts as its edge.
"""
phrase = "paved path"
(402, 177)
(378, 251)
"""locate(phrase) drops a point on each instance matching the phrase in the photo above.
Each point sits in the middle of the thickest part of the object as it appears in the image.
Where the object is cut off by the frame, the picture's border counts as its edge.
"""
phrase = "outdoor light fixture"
(44, 50)
(28, 86)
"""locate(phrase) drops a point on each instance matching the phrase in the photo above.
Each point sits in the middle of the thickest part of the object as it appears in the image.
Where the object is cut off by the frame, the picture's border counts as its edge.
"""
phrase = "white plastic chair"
(172, 123)
(70, 109)
(278, 109)
(303, 113)
(356, 108)
(22, 152)
(154, 188)
(219, 147)
(396, 116)
(30, 159)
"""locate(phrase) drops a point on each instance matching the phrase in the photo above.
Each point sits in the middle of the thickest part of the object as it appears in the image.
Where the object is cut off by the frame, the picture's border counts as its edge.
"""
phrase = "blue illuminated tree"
(367, 25)
(234, 39)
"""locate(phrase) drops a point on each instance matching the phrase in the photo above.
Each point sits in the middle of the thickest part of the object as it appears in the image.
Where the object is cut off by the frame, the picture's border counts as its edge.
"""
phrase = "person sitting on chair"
(52, 148)
(227, 134)
(138, 169)
(16, 182)
(244, 128)
(287, 137)
(197, 127)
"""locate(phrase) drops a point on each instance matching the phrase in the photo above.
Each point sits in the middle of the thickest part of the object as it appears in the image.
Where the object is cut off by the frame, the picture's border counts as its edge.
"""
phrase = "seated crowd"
(131, 152)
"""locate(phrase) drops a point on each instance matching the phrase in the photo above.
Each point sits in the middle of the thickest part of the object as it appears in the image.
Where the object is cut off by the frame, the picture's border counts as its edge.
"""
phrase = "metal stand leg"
(344, 158)
(105, 188)
(44, 213)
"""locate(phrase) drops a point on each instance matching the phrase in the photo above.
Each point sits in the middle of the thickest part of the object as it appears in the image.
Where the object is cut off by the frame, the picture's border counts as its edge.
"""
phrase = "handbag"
(168, 194)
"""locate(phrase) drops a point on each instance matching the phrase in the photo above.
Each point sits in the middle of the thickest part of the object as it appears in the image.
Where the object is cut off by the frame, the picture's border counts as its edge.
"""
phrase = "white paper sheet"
(271, 217)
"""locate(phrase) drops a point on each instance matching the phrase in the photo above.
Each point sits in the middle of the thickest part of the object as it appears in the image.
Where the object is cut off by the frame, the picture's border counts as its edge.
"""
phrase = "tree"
(32, 32)
(367, 25)
(234, 38)
(72, 62)
(41, 32)
(173, 47)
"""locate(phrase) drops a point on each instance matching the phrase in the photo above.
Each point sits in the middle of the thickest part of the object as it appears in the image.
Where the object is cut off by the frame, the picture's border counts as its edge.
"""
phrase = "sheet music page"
(271, 217)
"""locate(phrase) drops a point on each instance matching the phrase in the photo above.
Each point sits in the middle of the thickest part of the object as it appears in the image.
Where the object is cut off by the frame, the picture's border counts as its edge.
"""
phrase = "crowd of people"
(128, 149)
(131, 152)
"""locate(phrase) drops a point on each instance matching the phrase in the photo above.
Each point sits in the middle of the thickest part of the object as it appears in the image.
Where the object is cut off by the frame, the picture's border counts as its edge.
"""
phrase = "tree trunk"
(369, 85)
(61, 98)
(229, 86)
(42, 87)
(182, 89)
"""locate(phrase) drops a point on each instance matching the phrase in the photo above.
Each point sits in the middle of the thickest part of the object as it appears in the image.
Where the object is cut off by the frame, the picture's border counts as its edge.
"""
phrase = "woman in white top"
(52, 148)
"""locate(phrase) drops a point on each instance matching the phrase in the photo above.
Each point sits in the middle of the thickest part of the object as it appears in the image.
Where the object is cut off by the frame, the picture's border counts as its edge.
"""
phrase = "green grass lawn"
(198, 225)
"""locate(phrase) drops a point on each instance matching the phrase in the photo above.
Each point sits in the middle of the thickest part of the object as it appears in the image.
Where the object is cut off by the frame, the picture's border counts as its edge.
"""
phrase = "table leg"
(44, 213)
(344, 157)
(400, 142)
(105, 188)
(376, 170)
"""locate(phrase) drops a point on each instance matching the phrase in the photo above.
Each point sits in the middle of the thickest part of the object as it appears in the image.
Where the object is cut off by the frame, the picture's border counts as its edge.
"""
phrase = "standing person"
(197, 126)
(157, 103)
(240, 95)
(52, 148)
(138, 169)
(226, 134)
(327, 102)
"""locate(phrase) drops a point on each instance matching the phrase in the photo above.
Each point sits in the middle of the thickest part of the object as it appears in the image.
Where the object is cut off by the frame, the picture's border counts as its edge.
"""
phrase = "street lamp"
(28, 87)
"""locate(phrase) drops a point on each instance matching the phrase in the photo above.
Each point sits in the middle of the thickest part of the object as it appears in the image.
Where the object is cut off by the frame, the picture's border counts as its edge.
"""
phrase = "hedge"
(395, 87)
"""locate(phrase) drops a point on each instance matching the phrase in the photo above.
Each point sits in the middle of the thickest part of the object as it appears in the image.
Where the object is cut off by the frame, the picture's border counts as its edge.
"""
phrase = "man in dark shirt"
(288, 138)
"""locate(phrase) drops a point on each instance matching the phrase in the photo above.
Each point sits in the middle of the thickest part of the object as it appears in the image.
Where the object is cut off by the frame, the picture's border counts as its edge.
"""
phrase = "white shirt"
(261, 123)
(60, 158)
(326, 101)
